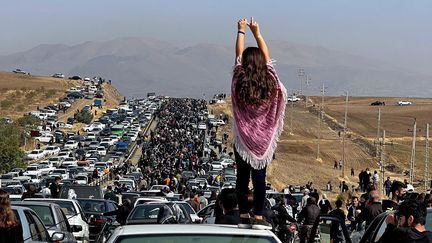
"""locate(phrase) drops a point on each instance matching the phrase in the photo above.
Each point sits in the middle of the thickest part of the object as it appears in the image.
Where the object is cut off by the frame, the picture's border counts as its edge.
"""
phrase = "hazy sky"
(398, 31)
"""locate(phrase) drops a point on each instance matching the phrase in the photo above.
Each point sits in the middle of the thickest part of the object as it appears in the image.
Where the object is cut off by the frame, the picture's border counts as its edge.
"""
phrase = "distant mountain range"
(137, 66)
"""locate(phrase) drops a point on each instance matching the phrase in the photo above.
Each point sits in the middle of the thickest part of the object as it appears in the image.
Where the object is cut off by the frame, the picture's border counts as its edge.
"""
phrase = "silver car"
(53, 218)
(190, 233)
(33, 228)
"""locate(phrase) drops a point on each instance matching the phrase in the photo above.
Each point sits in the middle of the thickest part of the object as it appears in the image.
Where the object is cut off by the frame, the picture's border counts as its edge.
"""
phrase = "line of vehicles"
(101, 146)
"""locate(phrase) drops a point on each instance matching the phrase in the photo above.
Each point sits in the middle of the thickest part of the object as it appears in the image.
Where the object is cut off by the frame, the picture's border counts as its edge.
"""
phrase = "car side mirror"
(76, 228)
(57, 236)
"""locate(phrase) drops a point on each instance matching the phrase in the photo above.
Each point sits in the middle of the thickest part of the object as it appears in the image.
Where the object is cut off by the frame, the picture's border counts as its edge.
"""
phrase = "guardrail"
(102, 180)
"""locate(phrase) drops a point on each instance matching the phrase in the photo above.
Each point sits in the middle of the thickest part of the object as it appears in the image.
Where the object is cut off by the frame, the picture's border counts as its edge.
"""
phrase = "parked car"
(190, 233)
(58, 75)
(36, 154)
(377, 227)
(53, 218)
(74, 214)
(94, 210)
(402, 103)
(20, 71)
(33, 228)
(378, 103)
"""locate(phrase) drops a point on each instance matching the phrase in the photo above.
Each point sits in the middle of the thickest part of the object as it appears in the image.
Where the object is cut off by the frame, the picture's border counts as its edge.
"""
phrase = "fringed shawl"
(257, 127)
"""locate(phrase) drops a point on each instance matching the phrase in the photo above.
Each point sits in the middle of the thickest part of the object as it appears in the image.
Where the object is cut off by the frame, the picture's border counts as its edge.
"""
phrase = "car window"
(67, 207)
(44, 213)
(62, 221)
(35, 233)
(90, 206)
(381, 230)
(111, 207)
(43, 233)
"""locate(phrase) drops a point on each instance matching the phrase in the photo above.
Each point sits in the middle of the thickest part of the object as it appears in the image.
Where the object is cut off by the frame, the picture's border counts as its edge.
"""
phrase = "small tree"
(10, 153)
(84, 117)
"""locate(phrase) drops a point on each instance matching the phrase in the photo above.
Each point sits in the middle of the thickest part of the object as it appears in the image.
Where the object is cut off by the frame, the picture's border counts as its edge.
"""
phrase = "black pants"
(244, 171)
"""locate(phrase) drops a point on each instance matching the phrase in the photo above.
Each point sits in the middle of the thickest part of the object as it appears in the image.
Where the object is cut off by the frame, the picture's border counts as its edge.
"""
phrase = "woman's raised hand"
(254, 27)
(241, 24)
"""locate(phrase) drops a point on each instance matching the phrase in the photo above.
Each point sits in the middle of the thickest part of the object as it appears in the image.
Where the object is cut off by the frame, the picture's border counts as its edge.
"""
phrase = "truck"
(122, 145)
(98, 103)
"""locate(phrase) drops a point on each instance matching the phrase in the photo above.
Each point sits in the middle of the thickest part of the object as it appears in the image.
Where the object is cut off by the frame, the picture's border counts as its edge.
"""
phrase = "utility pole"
(301, 74)
(426, 176)
(413, 153)
(382, 161)
(308, 79)
(320, 116)
(344, 135)
(378, 133)
(291, 115)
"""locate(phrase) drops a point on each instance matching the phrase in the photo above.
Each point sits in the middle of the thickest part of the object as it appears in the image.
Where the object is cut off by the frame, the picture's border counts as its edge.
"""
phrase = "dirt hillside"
(296, 156)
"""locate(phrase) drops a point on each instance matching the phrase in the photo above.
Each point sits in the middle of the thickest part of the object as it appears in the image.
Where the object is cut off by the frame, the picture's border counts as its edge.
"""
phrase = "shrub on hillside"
(28, 120)
(84, 117)
(6, 104)
(11, 156)
(50, 93)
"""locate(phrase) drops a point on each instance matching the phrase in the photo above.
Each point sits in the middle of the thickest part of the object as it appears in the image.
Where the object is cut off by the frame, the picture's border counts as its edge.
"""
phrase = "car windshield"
(67, 207)
(44, 213)
(149, 211)
(92, 206)
(190, 238)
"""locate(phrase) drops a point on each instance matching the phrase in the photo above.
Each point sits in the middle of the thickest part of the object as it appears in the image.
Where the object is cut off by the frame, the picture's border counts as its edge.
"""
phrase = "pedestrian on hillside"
(10, 228)
(335, 165)
(352, 172)
(259, 98)
(387, 186)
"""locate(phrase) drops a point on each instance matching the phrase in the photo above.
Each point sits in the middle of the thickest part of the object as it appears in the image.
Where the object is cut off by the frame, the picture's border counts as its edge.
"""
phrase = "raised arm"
(241, 25)
(254, 27)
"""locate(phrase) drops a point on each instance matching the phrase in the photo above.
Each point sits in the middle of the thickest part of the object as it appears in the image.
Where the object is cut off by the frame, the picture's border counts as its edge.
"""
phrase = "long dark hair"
(254, 84)
(7, 217)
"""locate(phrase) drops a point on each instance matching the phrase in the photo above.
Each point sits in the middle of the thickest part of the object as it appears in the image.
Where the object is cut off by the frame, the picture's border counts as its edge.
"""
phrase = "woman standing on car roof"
(258, 101)
(10, 229)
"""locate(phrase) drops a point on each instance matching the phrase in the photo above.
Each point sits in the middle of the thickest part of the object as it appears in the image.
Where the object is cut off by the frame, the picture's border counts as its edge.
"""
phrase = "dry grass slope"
(296, 157)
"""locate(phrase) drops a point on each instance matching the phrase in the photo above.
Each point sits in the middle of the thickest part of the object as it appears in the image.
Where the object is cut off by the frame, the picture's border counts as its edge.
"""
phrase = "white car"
(92, 126)
(114, 138)
(64, 125)
(44, 138)
(58, 75)
(216, 165)
(33, 170)
(217, 122)
(190, 233)
(36, 154)
(52, 150)
(293, 99)
(202, 126)
(402, 102)
(69, 161)
(71, 144)
(109, 141)
(101, 150)
(63, 154)
(61, 172)
(226, 162)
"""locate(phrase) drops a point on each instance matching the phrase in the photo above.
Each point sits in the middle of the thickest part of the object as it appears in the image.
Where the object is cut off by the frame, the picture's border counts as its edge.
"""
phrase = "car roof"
(36, 203)
(178, 229)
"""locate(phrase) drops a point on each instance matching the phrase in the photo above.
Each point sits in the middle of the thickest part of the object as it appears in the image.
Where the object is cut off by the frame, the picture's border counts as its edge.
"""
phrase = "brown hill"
(296, 157)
